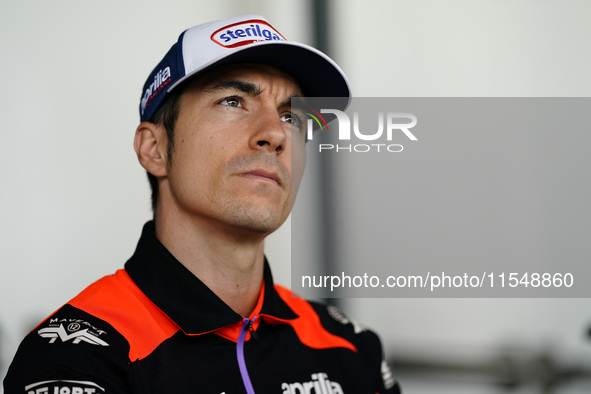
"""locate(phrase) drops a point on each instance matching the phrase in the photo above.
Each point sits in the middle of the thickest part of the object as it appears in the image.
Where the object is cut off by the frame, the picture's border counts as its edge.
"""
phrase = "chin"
(260, 225)
(253, 214)
(260, 221)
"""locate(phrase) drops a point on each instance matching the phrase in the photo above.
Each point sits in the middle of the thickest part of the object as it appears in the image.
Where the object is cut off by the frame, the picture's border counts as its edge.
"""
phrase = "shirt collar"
(182, 296)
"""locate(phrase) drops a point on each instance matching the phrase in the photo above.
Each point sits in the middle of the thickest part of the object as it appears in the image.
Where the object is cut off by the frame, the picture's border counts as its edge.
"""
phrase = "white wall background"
(74, 198)
(469, 48)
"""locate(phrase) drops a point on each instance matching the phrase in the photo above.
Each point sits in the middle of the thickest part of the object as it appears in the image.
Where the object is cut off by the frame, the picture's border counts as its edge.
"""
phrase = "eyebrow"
(245, 87)
(287, 101)
(248, 88)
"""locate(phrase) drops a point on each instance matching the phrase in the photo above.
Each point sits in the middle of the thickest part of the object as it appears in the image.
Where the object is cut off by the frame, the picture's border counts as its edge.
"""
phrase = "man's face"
(237, 160)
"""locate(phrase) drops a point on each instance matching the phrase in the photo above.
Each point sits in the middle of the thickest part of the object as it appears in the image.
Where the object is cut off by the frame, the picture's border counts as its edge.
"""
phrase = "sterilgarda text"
(252, 31)
(433, 282)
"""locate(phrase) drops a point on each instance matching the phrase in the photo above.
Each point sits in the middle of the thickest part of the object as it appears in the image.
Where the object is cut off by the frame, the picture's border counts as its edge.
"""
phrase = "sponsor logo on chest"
(320, 384)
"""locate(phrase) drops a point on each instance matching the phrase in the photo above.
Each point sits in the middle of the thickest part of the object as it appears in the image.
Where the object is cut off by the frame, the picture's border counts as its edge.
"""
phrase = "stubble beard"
(245, 213)
(249, 218)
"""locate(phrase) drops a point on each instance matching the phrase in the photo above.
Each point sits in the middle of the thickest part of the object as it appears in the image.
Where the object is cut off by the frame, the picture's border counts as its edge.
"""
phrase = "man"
(195, 310)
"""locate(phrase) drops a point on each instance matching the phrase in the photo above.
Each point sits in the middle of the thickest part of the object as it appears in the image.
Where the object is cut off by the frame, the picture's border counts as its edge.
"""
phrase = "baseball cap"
(248, 38)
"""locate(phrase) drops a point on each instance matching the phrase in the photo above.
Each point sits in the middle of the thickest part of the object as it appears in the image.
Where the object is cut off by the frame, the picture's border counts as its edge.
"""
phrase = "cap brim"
(316, 73)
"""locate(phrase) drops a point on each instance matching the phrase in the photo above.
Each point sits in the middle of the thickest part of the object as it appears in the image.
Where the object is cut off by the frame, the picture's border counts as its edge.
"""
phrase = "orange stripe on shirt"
(307, 326)
(117, 300)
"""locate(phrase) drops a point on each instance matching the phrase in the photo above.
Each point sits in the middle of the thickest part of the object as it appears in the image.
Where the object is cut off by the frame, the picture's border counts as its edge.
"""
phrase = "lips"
(263, 175)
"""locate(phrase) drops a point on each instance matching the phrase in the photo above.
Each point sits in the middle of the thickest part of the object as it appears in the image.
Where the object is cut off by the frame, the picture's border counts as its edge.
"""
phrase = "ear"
(150, 144)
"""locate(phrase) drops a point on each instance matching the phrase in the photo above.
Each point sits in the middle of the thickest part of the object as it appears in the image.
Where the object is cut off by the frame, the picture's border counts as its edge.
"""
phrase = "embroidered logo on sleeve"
(76, 331)
(339, 316)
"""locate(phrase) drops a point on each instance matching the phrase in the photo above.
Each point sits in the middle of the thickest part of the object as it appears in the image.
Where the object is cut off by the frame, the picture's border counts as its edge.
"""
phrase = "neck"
(230, 264)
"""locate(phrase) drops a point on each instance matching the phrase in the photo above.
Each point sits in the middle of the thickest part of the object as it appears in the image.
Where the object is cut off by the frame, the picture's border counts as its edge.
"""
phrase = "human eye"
(291, 118)
(232, 101)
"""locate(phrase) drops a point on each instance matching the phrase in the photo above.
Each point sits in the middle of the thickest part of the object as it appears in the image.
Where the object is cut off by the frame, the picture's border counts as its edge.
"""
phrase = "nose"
(270, 132)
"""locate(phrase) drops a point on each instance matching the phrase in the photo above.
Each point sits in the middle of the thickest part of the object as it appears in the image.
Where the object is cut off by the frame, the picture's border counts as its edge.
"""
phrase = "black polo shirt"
(154, 327)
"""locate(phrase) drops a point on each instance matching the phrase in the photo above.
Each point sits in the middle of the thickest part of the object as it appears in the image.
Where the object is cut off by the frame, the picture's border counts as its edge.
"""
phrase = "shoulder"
(94, 338)
(326, 326)
(89, 319)
(65, 351)
(332, 320)
(116, 299)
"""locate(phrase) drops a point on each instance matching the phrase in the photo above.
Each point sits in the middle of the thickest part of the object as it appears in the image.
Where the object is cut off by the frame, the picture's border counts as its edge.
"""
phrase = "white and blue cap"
(248, 38)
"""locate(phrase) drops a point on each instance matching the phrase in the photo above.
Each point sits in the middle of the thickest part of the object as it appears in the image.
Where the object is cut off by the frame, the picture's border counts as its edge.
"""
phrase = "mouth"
(263, 175)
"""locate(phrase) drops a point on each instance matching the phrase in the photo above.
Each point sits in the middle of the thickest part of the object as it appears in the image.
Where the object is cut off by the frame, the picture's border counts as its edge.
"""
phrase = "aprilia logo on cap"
(161, 79)
(244, 33)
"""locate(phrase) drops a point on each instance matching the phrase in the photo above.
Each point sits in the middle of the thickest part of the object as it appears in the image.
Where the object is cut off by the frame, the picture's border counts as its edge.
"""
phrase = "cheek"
(298, 164)
(193, 166)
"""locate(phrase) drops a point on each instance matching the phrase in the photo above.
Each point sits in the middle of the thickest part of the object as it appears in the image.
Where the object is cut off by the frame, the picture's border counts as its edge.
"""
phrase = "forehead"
(251, 72)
